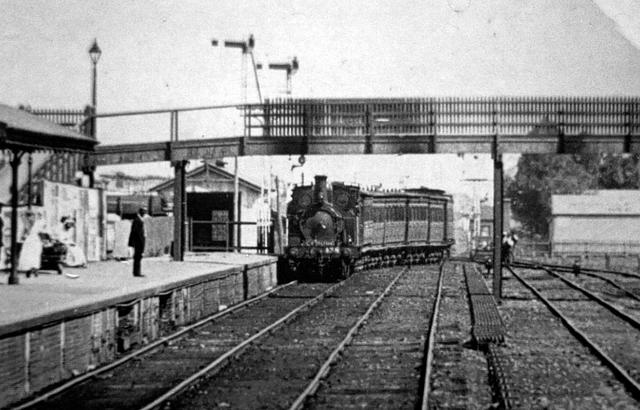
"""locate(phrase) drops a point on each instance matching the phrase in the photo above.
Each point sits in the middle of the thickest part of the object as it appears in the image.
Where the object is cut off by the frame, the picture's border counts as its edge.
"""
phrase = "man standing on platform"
(136, 241)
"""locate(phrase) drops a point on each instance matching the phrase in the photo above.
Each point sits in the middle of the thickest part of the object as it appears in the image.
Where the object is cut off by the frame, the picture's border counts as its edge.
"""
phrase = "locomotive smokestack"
(320, 189)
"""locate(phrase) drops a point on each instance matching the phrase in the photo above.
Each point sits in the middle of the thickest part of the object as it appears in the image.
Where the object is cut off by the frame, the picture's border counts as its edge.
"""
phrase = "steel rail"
(62, 388)
(431, 337)
(632, 321)
(534, 265)
(613, 283)
(217, 364)
(591, 274)
(618, 370)
(324, 369)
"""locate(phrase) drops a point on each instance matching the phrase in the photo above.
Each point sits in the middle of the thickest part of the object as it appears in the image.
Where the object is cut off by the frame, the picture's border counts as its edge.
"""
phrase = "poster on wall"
(82, 205)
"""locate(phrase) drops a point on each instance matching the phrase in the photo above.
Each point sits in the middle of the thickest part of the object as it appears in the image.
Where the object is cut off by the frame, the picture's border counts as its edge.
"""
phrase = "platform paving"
(50, 297)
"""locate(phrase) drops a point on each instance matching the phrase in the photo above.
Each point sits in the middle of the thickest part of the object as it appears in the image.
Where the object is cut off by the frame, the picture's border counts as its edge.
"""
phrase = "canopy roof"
(27, 132)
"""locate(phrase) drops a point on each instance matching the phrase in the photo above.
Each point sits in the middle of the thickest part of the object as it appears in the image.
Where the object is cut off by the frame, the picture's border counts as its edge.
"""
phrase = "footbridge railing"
(445, 116)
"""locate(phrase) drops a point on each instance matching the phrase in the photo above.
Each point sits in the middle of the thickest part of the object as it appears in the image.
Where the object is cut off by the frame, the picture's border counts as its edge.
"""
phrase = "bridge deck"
(412, 126)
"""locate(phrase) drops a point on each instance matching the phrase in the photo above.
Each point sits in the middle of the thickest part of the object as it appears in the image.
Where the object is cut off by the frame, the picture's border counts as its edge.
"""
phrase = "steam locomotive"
(336, 230)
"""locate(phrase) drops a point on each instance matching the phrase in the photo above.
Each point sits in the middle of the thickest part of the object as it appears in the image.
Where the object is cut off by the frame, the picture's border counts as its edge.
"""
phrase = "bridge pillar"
(179, 209)
(497, 226)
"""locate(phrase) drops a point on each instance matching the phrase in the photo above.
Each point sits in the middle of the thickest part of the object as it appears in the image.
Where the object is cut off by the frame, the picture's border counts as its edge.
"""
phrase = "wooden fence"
(66, 117)
(618, 116)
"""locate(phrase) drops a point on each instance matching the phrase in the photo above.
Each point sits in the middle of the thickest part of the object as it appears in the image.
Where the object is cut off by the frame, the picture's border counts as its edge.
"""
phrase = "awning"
(20, 130)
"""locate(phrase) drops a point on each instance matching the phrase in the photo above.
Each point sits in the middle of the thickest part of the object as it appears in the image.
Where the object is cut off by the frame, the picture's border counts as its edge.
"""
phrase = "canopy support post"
(15, 164)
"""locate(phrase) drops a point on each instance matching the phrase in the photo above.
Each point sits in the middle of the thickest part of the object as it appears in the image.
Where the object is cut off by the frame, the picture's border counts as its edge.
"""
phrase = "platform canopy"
(21, 131)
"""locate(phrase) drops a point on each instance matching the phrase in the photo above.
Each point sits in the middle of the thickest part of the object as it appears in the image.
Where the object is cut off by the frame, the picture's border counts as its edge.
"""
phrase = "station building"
(211, 215)
(596, 222)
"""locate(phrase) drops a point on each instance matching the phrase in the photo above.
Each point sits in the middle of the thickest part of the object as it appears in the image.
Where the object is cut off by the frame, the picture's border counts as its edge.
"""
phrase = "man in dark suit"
(136, 240)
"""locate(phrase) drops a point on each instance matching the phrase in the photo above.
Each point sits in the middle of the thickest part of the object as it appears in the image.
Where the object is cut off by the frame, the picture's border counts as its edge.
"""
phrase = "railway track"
(288, 367)
(368, 340)
(610, 334)
(460, 375)
(569, 268)
(384, 361)
(149, 377)
(618, 288)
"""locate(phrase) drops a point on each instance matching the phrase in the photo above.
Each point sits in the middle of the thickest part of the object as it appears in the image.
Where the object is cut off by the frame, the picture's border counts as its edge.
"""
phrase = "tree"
(539, 177)
(618, 172)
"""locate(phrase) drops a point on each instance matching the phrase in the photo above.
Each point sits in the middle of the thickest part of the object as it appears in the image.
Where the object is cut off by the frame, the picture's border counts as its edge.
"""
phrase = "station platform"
(54, 327)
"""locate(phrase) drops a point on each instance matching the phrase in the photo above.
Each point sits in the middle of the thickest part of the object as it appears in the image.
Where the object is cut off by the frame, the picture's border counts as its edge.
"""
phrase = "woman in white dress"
(31, 251)
(74, 256)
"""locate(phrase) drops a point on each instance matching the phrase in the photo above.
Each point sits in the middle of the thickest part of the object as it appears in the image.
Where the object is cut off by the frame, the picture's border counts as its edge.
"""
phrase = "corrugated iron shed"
(600, 202)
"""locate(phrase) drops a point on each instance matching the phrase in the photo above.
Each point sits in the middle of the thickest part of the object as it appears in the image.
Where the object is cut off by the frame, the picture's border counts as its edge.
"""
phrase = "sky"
(159, 54)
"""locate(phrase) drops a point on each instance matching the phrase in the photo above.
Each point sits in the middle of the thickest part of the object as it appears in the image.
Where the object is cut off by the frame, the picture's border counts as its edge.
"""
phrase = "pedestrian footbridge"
(403, 126)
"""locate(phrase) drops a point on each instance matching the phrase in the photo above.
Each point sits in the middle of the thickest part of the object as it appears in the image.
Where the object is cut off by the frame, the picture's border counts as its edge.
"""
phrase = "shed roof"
(24, 131)
(213, 170)
(600, 202)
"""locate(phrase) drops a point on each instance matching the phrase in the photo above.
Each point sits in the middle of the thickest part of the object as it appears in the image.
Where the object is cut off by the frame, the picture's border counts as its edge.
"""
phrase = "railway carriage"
(334, 230)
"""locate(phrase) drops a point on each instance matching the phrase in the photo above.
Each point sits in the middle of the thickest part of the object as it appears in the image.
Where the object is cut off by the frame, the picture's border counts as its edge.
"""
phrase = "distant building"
(604, 221)
(121, 183)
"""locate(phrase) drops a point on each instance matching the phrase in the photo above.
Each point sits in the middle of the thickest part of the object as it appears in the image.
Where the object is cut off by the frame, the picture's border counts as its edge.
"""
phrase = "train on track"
(336, 229)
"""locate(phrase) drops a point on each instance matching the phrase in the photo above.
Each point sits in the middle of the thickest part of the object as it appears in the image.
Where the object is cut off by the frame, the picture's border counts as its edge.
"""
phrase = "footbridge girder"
(215, 148)
(405, 126)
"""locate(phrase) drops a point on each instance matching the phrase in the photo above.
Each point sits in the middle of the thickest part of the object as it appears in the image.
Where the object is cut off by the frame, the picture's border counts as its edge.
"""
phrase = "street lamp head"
(95, 52)
(294, 64)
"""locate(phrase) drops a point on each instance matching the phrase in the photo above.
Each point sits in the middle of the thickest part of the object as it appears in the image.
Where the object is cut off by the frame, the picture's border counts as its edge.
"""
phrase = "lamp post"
(94, 54)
